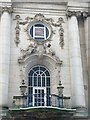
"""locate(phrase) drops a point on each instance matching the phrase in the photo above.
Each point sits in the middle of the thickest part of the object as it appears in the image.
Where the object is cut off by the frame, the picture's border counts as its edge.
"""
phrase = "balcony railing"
(50, 100)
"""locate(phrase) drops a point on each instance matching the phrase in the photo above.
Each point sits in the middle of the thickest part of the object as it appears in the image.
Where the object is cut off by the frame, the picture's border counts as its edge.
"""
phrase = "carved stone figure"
(40, 50)
(49, 50)
(30, 49)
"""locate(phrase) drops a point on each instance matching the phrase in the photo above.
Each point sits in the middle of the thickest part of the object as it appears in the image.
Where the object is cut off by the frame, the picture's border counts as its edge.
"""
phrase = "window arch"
(39, 86)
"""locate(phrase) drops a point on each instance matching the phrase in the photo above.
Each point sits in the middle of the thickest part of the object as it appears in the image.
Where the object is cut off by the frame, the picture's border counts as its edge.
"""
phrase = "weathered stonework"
(65, 53)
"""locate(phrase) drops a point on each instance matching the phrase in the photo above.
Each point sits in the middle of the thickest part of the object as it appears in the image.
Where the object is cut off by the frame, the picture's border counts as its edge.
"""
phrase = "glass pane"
(31, 31)
(43, 81)
(41, 72)
(31, 73)
(30, 96)
(39, 25)
(35, 81)
(35, 90)
(48, 81)
(43, 75)
(35, 68)
(30, 81)
(42, 68)
(48, 91)
(47, 73)
(30, 90)
(47, 32)
(39, 81)
(37, 72)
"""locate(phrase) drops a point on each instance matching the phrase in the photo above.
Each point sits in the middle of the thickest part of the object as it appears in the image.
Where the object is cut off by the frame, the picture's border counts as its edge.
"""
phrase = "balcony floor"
(40, 113)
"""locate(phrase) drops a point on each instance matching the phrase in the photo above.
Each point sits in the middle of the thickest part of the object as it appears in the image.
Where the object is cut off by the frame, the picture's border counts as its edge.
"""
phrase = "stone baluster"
(78, 96)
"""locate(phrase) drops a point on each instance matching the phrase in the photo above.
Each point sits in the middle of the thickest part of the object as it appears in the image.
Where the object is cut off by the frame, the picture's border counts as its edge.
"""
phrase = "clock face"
(39, 31)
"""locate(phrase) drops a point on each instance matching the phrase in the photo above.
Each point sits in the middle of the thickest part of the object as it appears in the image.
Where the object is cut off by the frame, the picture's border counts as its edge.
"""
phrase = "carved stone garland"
(17, 29)
(42, 18)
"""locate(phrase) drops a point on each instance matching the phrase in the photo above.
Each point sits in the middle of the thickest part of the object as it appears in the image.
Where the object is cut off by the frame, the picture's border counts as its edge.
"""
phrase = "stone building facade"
(44, 47)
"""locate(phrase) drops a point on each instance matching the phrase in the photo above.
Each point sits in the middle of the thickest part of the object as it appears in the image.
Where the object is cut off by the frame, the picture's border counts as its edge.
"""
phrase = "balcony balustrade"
(52, 100)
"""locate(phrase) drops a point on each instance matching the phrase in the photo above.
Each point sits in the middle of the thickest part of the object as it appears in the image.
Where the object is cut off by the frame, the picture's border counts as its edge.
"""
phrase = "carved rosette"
(17, 29)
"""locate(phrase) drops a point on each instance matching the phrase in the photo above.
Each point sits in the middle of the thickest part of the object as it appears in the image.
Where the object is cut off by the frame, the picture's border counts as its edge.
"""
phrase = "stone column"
(86, 27)
(5, 55)
(86, 15)
(78, 97)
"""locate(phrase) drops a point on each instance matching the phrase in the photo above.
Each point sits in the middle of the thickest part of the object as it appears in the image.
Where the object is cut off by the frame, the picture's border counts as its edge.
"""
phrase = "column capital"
(78, 14)
(6, 7)
(86, 14)
(73, 13)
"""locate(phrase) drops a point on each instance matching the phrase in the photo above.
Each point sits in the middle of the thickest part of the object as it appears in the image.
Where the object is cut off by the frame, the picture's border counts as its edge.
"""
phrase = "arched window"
(39, 86)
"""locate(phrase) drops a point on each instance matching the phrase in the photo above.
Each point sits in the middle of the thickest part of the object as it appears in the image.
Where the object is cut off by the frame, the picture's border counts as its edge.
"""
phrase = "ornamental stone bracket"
(49, 21)
(38, 50)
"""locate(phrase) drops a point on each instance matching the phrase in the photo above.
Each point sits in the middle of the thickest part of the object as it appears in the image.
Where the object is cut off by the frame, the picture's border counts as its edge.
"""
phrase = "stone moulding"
(21, 61)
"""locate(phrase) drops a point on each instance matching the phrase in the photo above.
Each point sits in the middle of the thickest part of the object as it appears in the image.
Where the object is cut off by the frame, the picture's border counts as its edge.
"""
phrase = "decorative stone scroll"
(17, 29)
